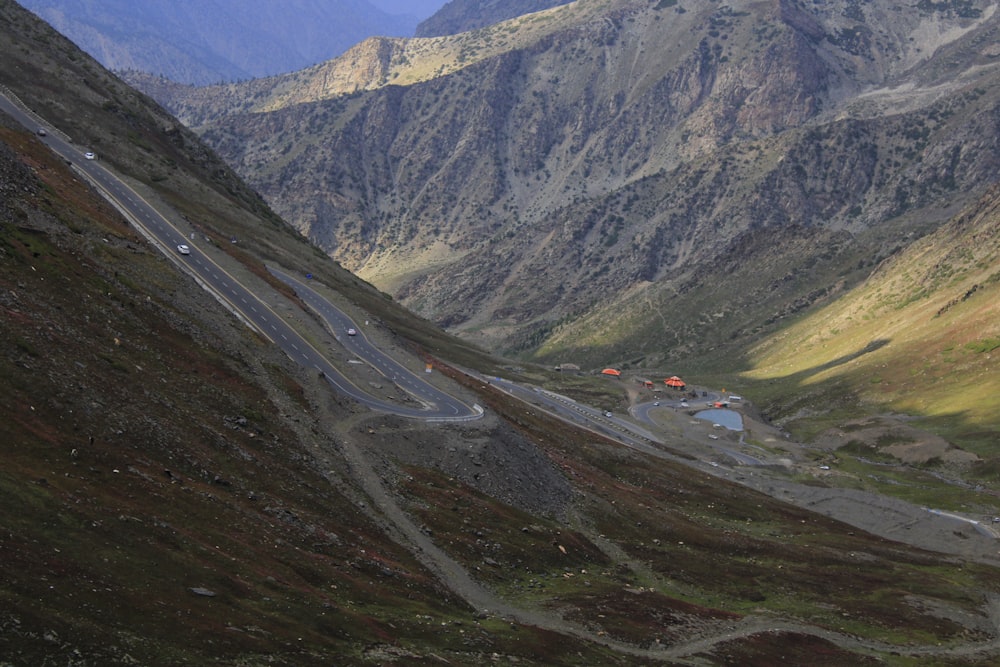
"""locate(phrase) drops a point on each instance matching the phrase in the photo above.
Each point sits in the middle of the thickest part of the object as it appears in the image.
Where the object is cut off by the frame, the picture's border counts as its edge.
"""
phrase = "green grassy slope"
(920, 337)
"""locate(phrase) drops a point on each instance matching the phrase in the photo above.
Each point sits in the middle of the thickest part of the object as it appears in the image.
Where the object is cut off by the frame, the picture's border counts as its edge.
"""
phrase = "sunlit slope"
(920, 336)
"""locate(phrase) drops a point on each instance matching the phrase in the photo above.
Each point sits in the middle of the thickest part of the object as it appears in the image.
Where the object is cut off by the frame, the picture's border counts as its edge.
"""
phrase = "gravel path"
(884, 516)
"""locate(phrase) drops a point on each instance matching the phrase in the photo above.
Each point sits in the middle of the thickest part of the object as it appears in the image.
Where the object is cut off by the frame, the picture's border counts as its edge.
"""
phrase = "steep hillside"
(920, 335)
(517, 182)
(178, 491)
(207, 42)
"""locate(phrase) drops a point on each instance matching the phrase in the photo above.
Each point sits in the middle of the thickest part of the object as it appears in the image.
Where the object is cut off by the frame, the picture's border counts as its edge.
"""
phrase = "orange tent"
(611, 371)
(675, 382)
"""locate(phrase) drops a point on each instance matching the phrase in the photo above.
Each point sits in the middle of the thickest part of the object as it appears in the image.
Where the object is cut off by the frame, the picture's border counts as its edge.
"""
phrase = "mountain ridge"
(535, 149)
(674, 214)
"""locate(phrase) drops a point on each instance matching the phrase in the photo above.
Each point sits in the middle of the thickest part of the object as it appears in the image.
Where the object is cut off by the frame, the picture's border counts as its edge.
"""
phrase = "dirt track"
(895, 520)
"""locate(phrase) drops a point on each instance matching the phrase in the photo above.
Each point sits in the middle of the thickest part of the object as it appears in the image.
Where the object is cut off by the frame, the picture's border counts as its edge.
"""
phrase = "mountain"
(220, 40)
(464, 15)
(419, 9)
(179, 491)
(514, 182)
(920, 334)
(687, 185)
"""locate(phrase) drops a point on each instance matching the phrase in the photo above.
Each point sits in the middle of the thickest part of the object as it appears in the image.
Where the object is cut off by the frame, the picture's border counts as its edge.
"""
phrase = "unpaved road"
(884, 516)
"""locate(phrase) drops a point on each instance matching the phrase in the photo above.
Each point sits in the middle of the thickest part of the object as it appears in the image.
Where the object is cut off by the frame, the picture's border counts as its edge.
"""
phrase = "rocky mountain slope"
(518, 183)
(180, 492)
(208, 42)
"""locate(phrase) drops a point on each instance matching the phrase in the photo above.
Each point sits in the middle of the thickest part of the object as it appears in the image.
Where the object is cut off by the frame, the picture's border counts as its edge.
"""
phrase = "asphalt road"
(441, 405)
(256, 313)
(246, 305)
(572, 411)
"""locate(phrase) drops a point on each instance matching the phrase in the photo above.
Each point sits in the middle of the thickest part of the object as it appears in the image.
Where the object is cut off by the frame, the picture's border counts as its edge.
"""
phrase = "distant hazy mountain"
(419, 8)
(208, 41)
(462, 15)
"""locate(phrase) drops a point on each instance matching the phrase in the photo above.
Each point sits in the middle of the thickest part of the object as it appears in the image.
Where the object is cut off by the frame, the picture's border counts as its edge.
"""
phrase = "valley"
(190, 486)
(781, 454)
(693, 182)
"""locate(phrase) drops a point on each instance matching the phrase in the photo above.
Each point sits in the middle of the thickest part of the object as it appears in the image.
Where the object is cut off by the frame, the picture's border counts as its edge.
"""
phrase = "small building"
(674, 382)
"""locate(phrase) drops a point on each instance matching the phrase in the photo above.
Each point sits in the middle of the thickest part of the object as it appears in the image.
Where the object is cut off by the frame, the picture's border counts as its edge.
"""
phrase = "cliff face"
(512, 179)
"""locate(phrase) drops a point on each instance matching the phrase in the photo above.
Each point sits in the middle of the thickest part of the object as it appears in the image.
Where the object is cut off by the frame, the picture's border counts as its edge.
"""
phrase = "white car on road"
(184, 249)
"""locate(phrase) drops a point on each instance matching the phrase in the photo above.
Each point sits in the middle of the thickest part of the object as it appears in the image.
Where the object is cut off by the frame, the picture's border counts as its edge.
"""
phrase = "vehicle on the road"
(352, 332)
(89, 155)
(656, 404)
(607, 413)
(184, 249)
(42, 132)
(684, 404)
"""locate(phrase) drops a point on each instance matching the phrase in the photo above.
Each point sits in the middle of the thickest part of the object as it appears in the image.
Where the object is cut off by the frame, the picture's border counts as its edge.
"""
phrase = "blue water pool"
(727, 418)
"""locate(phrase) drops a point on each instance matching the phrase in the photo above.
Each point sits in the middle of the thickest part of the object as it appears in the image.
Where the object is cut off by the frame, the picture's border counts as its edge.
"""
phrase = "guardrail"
(19, 103)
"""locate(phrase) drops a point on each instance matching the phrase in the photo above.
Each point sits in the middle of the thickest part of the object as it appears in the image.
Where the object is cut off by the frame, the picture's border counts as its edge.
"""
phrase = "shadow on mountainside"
(799, 377)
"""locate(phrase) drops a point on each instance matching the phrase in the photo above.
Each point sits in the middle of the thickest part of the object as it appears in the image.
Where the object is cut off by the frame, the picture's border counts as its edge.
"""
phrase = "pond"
(731, 419)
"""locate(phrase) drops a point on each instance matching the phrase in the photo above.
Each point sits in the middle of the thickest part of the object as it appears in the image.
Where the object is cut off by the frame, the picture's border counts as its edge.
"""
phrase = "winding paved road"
(440, 405)
(244, 303)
